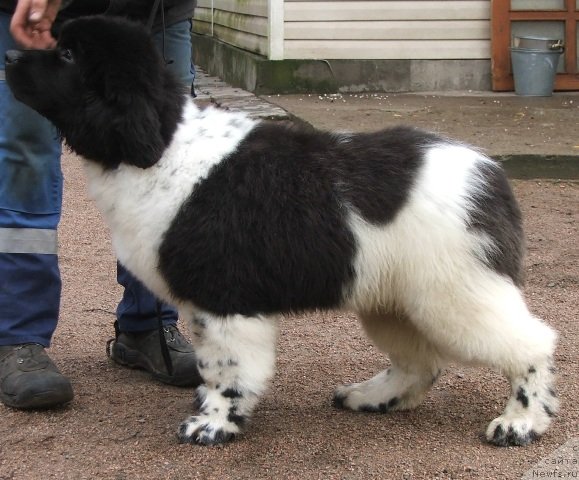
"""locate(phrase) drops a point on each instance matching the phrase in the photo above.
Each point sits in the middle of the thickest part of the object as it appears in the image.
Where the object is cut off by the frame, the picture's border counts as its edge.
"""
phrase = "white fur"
(140, 204)
(425, 267)
(236, 353)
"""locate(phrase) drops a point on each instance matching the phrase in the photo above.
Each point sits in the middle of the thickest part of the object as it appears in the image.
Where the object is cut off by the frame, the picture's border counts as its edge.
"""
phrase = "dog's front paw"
(206, 431)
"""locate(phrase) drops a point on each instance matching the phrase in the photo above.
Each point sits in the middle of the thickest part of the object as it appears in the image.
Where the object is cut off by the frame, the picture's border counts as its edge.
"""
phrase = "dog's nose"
(12, 56)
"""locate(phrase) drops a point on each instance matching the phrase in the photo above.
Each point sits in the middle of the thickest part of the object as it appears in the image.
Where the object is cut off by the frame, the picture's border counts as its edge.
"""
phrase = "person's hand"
(31, 23)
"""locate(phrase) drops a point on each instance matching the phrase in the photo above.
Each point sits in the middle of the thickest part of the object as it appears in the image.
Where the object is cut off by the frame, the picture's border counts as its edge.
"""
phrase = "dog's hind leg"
(236, 358)
(491, 325)
(415, 367)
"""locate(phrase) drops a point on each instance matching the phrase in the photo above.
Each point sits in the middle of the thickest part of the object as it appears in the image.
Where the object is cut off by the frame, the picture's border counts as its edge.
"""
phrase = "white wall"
(350, 29)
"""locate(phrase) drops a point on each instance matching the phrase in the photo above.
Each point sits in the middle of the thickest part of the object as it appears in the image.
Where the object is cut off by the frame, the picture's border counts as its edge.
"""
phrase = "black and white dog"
(238, 221)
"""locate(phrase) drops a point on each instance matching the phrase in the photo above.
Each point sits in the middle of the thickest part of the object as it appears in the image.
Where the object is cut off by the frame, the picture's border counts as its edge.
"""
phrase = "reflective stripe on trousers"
(28, 240)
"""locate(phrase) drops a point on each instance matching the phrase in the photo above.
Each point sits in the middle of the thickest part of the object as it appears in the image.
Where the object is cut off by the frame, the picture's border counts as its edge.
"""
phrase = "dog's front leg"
(236, 357)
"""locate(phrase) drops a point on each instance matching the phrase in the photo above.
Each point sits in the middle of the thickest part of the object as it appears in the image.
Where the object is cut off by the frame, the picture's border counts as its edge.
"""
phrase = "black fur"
(384, 407)
(548, 410)
(103, 116)
(497, 214)
(300, 183)
(231, 393)
(235, 418)
(510, 437)
(522, 397)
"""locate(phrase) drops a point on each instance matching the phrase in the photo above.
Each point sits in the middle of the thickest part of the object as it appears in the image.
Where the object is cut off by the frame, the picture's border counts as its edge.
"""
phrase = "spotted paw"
(204, 431)
(503, 432)
(355, 401)
(392, 389)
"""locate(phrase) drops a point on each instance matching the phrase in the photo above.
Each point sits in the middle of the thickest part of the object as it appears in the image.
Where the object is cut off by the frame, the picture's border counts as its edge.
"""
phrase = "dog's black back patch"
(497, 214)
(267, 231)
(374, 172)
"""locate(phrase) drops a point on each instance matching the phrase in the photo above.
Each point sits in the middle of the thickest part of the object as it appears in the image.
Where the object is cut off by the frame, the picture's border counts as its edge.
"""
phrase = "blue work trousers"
(30, 206)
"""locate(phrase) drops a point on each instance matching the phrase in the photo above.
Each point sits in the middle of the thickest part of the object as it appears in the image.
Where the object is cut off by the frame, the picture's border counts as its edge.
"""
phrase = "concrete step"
(212, 90)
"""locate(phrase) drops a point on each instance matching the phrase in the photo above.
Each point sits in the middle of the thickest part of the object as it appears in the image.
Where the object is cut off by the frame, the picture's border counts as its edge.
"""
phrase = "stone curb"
(530, 166)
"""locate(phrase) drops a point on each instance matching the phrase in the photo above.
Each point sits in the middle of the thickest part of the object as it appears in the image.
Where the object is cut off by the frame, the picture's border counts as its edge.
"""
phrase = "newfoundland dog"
(238, 221)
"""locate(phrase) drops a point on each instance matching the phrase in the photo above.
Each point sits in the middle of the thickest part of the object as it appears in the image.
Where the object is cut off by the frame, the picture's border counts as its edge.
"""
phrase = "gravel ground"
(501, 124)
(121, 425)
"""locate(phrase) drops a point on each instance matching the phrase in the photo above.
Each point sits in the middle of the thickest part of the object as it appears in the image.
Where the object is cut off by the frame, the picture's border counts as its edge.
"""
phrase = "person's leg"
(177, 50)
(30, 286)
(138, 309)
(141, 340)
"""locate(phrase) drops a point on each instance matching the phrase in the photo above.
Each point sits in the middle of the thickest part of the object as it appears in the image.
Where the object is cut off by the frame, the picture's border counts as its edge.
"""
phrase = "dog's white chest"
(139, 205)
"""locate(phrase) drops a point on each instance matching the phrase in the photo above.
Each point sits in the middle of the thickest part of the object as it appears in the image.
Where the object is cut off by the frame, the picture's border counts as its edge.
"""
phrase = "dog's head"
(105, 87)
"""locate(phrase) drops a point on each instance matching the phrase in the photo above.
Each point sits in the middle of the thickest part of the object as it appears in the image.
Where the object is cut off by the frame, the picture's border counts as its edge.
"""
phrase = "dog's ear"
(127, 131)
(134, 103)
(138, 133)
(143, 108)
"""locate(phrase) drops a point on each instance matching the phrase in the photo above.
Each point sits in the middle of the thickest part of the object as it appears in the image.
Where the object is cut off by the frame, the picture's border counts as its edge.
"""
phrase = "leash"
(153, 14)
(151, 21)
(163, 340)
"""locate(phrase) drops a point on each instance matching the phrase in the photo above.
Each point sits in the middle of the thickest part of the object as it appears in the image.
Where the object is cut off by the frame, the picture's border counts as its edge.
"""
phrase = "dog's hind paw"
(388, 391)
(528, 414)
(202, 430)
(504, 433)
(343, 401)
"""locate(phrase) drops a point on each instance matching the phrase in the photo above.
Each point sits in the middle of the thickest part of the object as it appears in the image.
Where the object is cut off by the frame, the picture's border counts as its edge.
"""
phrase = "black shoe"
(169, 359)
(29, 378)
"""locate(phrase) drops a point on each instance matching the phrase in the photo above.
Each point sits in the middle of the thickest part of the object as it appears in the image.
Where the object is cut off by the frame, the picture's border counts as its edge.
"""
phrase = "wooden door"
(510, 16)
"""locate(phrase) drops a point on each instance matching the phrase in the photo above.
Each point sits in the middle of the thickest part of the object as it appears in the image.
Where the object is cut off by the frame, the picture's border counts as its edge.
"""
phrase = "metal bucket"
(534, 70)
(538, 43)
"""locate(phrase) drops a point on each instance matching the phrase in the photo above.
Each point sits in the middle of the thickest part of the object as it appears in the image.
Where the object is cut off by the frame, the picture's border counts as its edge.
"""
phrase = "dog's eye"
(66, 55)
